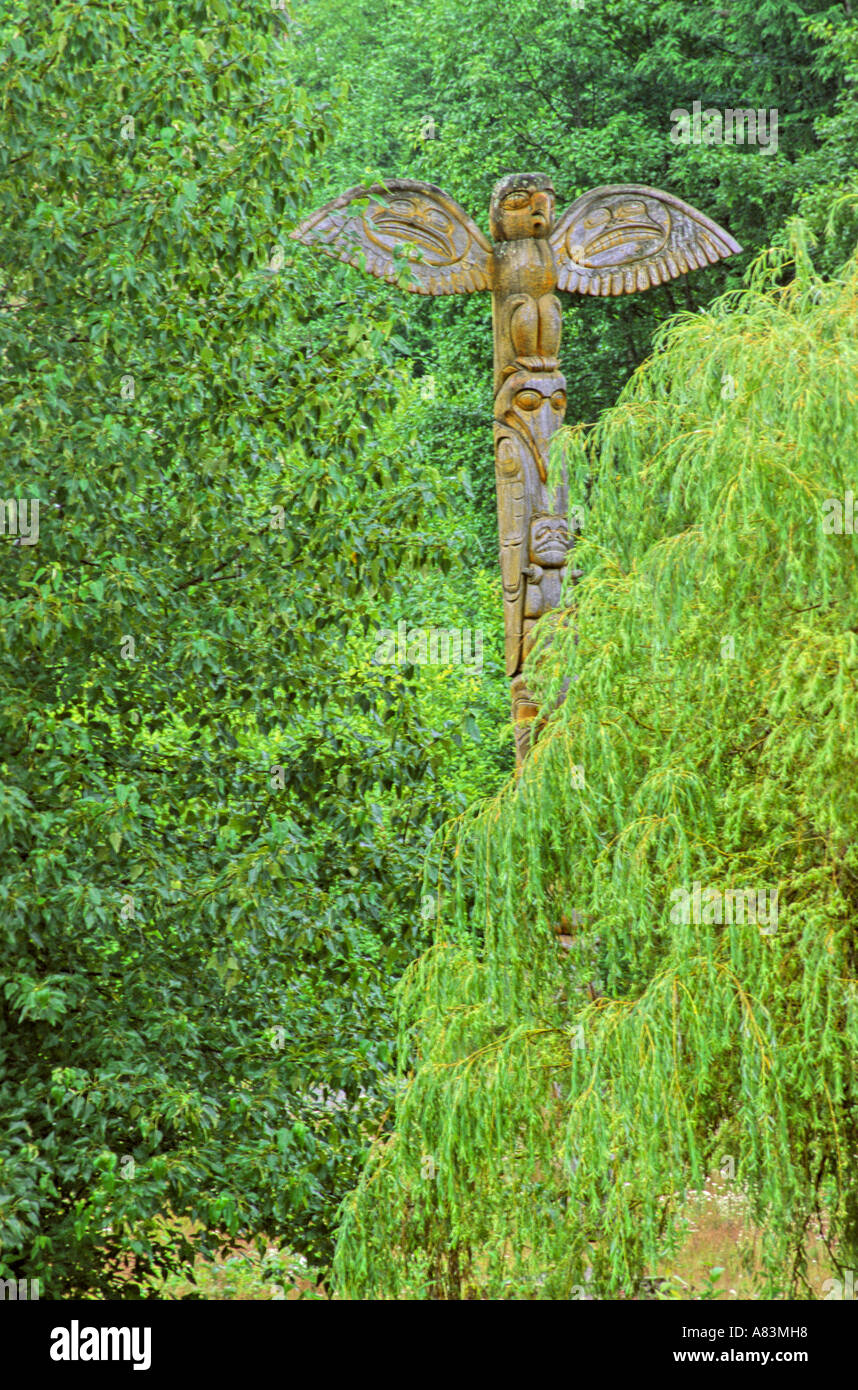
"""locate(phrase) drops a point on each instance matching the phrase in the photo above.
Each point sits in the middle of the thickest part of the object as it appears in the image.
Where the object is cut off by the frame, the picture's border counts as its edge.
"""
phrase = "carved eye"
(628, 212)
(436, 218)
(514, 201)
(403, 207)
(558, 400)
(528, 400)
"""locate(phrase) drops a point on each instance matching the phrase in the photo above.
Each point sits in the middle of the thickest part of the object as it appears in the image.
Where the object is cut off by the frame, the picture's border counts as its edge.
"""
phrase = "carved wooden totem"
(615, 240)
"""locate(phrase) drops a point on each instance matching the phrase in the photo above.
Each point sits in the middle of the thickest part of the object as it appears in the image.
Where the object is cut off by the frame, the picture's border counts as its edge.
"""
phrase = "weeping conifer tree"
(560, 1097)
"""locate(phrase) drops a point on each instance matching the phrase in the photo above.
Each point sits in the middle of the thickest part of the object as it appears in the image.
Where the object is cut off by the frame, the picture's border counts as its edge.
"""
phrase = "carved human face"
(549, 541)
(525, 212)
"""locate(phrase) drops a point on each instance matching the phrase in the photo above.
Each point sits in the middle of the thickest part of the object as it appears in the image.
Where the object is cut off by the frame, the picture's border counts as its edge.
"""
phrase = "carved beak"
(540, 205)
(537, 427)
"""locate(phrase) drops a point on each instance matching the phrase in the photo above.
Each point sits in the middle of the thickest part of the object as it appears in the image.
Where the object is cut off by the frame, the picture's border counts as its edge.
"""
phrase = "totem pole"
(614, 240)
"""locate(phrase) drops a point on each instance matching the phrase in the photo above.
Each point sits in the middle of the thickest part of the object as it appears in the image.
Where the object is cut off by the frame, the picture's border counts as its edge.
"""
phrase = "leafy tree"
(828, 173)
(213, 804)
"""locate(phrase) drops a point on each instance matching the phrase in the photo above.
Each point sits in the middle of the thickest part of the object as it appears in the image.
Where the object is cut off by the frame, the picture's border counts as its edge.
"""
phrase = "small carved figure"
(549, 543)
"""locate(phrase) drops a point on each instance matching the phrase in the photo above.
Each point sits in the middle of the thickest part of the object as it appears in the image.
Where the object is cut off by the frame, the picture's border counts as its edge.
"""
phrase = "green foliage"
(557, 1104)
(213, 807)
(829, 177)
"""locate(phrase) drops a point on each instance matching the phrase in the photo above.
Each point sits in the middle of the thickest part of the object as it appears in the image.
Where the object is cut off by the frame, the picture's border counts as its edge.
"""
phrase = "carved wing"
(623, 238)
(448, 252)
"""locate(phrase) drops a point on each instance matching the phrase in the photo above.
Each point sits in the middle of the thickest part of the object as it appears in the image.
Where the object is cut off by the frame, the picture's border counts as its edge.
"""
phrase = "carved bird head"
(522, 206)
